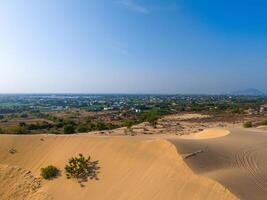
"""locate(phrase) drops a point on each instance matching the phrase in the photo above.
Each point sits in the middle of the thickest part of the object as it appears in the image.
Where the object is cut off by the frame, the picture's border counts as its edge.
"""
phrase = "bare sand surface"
(262, 127)
(132, 168)
(207, 134)
(237, 160)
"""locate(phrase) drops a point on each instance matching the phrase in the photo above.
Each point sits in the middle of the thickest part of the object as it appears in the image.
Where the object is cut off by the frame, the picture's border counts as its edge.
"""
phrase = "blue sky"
(132, 46)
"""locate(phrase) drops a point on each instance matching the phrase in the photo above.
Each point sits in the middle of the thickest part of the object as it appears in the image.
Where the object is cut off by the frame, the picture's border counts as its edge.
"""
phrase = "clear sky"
(132, 46)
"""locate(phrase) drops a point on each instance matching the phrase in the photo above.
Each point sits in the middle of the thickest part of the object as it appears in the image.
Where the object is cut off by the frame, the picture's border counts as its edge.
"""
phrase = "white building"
(263, 109)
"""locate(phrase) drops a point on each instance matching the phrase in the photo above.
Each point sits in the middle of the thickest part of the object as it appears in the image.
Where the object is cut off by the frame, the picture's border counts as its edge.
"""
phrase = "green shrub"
(20, 130)
(82, 128)
(151, 116)
(128, 123)
(247, 125)
(81, 168)
(88, 120)
(49, 172)
(264, 122)
(69, 129)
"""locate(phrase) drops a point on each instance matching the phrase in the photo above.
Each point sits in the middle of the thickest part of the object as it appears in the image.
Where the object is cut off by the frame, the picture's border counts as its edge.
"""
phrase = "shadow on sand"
(90, 173)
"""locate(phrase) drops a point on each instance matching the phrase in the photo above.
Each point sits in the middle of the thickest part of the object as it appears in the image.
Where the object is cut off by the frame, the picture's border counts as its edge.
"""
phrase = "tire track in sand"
(248, 159)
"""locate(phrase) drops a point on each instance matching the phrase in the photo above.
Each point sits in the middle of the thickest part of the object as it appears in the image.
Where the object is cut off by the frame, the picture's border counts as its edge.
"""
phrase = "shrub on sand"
(81, 168)
(247, 125)
(264, 122)
(49, 172)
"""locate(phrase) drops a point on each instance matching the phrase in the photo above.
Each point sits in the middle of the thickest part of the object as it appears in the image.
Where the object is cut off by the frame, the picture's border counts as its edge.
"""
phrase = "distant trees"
(24, 115)
(69, 129)
(82, 128)
(128, 123)
(151, 116)
(88, 119)
(21, 130)
(237, 110)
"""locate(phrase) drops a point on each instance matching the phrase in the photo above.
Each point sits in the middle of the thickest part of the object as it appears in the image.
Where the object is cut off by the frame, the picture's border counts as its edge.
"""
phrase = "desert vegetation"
(248, 124)
(49, 172)
(264, 122)
(71, 114)
(82, 168)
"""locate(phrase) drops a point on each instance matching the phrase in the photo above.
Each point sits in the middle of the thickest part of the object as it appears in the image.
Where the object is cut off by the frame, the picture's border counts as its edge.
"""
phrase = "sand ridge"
(208, 134)
(132, 168)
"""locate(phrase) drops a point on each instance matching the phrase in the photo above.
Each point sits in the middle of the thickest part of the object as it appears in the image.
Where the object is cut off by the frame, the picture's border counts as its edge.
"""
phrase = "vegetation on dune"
(49, 172)
(69, 129)
(264, 122)
(21, 129)
(82, 128)
(152, 116)
(81, 168)
(128, 123)
(248, 124)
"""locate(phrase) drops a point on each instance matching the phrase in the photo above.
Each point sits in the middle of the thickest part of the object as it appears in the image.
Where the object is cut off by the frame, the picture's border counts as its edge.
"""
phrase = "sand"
(19, 184)
(237, 161)
(132, 168)
(207, 134)
(264, 127)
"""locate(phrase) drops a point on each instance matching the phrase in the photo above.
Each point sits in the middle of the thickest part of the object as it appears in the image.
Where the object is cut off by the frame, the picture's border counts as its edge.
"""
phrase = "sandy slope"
(19, 184)
(132, 168)
(238, 161)
(207, 134)
(262, 127)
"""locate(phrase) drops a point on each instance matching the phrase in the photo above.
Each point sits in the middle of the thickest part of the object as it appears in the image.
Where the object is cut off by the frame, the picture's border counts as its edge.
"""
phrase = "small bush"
(82, 128)
(128, 123)
(20, 130)
(69, 129)
(49, 172)
(81, 168)
(247, 125)
(264, 122)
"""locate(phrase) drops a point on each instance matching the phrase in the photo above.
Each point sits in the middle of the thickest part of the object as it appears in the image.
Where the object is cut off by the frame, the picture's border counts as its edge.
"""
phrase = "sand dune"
(237, 161)
(132, 168)
(264, 127)
(207, 134)
(19, 184)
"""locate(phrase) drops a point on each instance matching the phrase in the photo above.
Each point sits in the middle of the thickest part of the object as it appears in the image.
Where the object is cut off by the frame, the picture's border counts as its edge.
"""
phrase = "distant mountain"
(248, 92)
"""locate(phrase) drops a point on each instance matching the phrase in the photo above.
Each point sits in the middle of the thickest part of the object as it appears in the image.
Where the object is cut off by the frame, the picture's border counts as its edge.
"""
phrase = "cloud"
(131, 4)
(145, 9)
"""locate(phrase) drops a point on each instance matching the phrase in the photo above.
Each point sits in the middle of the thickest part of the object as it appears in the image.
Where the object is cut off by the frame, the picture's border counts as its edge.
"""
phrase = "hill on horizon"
(249, 92)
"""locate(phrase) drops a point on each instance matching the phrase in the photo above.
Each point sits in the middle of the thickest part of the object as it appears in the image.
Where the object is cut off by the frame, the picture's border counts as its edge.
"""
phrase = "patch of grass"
(49, 172)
